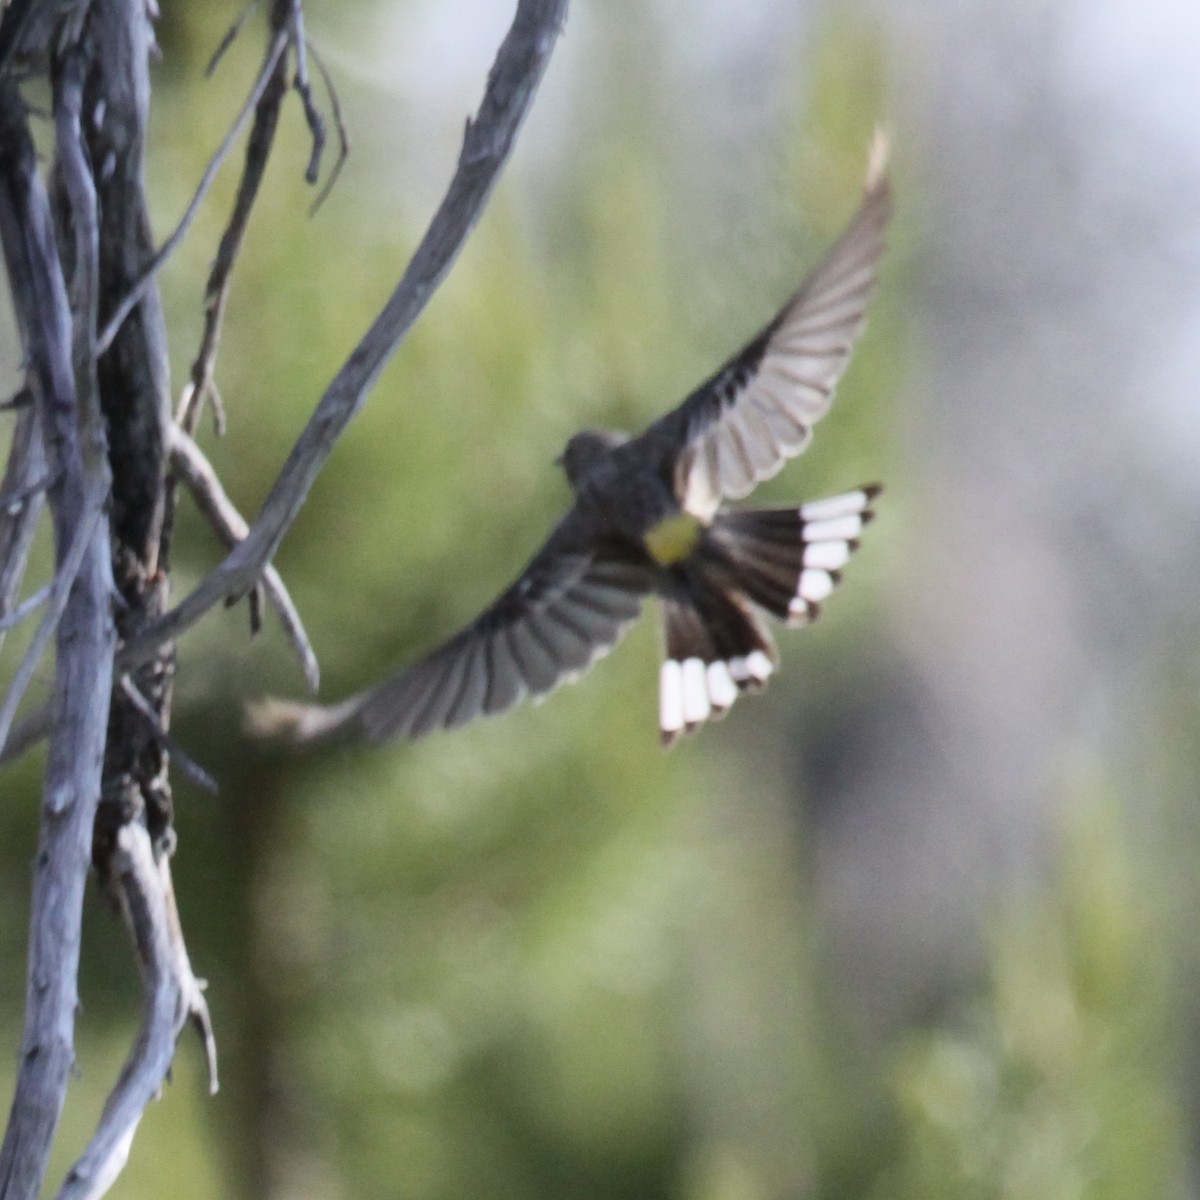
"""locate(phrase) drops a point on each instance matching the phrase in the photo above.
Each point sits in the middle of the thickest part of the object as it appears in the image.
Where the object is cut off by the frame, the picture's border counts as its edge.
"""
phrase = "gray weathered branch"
(83, 666)
(171, 995)
(512, 83)
(60, 591)
(18, 613)
(193, 468)
(23, 502)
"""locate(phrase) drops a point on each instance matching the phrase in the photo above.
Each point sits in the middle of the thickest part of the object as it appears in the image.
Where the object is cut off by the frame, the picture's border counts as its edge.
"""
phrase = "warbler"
(647, 519)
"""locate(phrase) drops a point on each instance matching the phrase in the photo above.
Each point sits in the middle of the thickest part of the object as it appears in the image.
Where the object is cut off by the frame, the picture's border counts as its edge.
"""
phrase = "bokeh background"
(919, 922)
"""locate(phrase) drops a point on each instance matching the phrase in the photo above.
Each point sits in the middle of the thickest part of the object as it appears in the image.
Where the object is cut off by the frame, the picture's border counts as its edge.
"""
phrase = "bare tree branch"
(512, 82)
(60, 590)
(83, 667)
(200, 386)
(286, 17)
(22, 502)
(138, 290)
(335, 107)
(179, 757)
(27, 733)
(22, 610)
(171, 995)
(230, 35)
(300, 81)
(133, 834)
(190, 464)
(84, 286)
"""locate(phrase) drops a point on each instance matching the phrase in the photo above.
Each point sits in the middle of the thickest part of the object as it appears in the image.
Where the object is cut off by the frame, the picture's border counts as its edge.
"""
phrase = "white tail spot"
(834, 529)
(814, 585)
(670, 697)
(722, 691)
(835, 506)
(695, 692)
(827, 555)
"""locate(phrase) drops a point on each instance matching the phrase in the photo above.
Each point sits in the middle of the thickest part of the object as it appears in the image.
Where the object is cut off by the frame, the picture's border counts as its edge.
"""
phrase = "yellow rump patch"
(672, 539)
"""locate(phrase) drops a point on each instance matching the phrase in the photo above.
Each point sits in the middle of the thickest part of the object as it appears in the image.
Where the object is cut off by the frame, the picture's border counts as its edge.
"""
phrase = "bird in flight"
(647, 519)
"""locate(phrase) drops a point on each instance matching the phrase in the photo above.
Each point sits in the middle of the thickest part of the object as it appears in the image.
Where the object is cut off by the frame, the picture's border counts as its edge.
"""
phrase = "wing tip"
(879, 154)
(299, 724)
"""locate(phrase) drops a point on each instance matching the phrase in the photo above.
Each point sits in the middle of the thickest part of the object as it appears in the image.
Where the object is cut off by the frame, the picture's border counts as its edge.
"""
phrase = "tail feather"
(716, 648)
(782, 560)
(787, 560)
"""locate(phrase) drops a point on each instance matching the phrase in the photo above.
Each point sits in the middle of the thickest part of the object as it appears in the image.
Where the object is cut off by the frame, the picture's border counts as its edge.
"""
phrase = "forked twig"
(312, 115)
(335, 108)
(200, 384)
(191, 465)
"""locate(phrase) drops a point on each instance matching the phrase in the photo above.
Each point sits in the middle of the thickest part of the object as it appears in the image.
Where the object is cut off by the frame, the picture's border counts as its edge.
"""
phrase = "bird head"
(585, 449)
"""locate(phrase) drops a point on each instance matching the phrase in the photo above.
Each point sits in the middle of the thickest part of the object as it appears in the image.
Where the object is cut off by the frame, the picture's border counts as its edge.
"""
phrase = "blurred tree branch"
(96, 435)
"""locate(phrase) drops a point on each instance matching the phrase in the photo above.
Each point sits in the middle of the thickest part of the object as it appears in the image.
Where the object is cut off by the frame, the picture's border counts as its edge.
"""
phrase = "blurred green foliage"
(539, 958)
(1058, 1081)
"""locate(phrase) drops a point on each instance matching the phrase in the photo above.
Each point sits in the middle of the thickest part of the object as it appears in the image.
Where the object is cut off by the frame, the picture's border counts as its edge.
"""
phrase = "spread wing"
(757, 411)
(568, 607)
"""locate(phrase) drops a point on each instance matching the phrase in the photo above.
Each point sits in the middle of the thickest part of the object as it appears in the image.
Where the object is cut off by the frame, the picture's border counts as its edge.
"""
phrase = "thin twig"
(316, 126)
(27, 733)
(22, 610)
(230, 36)
(190, 464)
(335, 107)
(26, 467)
(184, 761)
(216, 293)
(135, 293)
(511, 85)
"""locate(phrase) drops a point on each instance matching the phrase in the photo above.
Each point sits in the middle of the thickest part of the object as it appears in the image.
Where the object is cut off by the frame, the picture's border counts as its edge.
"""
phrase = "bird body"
(617, 488)
(647, 518)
